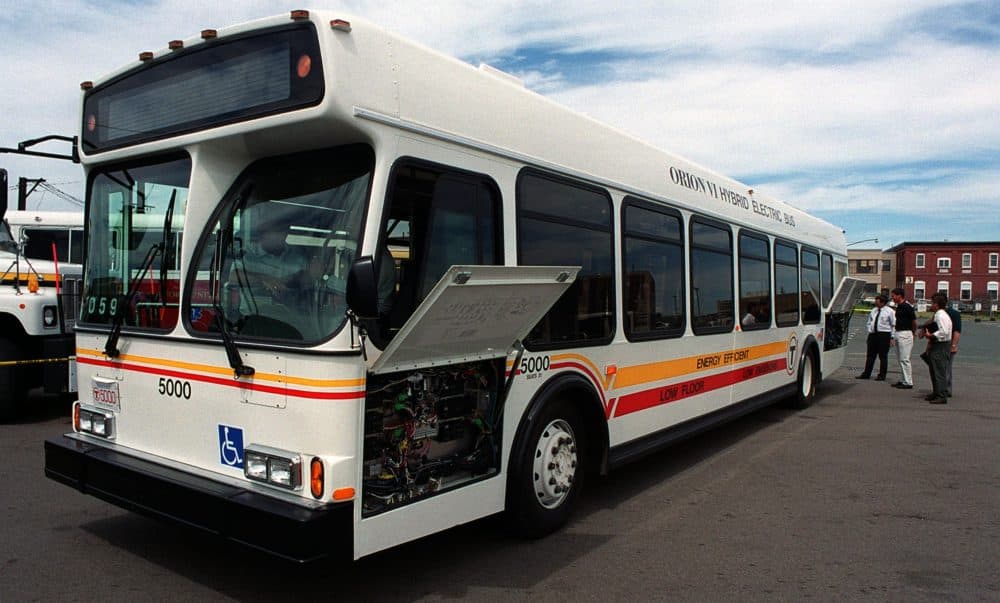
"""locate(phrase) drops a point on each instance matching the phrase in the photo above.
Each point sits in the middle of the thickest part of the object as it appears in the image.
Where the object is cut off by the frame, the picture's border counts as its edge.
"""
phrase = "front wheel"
(547, 470)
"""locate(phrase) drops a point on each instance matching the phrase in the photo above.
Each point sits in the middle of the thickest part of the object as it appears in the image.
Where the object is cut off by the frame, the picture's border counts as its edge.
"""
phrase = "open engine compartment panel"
(430, 430)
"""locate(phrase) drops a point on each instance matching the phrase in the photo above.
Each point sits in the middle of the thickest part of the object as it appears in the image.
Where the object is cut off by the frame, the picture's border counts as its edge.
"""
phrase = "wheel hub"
(555, 464)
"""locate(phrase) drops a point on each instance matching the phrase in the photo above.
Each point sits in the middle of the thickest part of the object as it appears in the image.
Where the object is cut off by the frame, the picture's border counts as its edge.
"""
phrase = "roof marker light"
(175, 44)
(340, 25)
(145, 56)
(299, 14)
(209, 34)
(87, 85)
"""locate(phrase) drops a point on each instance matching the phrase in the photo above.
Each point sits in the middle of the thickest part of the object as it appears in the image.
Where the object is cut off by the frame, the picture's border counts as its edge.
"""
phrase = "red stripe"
(270, 389)
(685, 389)
(585, 369)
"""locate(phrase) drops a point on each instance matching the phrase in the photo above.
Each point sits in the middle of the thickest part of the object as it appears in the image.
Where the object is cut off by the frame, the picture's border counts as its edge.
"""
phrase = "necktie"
(875, 326)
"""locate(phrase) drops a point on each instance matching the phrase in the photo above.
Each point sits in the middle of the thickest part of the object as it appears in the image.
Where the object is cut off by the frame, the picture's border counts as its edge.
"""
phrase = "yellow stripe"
(657, 371)
(43, 277)
(219, 370)
(599, 373)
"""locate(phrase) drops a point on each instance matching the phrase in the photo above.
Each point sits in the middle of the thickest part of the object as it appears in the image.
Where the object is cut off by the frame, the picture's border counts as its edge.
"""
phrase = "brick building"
(966, 272)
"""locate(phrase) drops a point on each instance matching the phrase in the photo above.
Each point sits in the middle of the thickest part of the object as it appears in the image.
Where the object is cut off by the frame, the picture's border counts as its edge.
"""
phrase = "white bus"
(37, 231)
(410, 293)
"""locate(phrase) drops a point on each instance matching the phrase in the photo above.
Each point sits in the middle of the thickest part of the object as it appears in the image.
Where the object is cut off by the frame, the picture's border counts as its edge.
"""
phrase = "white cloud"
(753, 87)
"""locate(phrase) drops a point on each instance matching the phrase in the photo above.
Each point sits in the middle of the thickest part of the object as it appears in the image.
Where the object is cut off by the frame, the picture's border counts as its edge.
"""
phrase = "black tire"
(547, 469)
(12, 389)
(805, 390)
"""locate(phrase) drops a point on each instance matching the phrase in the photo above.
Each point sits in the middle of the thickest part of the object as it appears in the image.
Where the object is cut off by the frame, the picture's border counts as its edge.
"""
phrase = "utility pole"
(3, 193)
(23, 192)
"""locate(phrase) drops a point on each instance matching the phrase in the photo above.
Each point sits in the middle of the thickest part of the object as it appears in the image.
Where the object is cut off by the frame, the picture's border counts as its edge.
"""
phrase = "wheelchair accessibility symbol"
(231, 446)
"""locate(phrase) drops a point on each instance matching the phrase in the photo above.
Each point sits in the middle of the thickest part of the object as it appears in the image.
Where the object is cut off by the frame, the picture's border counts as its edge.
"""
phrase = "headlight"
(273, 466)
(95, 422)
(49, 316)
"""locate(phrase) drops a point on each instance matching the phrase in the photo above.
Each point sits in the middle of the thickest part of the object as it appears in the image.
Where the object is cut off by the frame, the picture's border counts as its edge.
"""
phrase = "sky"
(880, 117)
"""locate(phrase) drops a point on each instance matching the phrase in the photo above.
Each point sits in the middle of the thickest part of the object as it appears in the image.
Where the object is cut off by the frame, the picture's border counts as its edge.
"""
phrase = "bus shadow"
(451, 564)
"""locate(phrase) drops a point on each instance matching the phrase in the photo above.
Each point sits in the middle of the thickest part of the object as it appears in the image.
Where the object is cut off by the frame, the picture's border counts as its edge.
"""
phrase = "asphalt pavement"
(871, 494)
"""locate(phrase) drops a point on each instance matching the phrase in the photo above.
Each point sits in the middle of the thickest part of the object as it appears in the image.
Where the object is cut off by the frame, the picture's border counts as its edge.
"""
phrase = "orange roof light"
(209, 34)
(175, 44)
(340, 25)
(86, 85)
(145, 56)
(304, 66)
(299, 14)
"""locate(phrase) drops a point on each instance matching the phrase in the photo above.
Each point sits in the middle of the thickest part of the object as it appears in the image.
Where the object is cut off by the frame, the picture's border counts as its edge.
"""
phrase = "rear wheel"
(805, 391)
(547, 470)
(11, 387)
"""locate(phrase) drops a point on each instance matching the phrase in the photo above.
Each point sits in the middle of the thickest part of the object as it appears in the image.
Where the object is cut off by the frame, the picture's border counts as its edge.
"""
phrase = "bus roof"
(376, 77)
(49, 219)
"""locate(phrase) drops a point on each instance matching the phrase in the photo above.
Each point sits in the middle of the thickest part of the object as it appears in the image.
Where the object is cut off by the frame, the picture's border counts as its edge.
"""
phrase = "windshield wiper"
(111, 346)
(232, 352)
(223, 241)
(168, 255)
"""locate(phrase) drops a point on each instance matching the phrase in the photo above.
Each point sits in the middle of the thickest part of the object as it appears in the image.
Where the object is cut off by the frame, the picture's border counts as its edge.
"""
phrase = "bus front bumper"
(277, 527)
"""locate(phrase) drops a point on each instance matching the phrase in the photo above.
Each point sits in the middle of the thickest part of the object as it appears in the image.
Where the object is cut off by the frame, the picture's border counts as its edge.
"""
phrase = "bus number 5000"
(175, 388)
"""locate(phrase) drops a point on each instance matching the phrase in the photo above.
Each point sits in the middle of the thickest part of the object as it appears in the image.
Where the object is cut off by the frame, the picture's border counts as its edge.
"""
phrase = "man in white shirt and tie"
(881, 324)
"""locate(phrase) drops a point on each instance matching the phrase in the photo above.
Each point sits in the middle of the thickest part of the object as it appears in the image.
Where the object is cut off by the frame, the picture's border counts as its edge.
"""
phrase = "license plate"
(106, 392)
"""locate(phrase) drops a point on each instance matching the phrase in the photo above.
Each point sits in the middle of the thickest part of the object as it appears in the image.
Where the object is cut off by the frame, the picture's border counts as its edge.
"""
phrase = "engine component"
(428, 431)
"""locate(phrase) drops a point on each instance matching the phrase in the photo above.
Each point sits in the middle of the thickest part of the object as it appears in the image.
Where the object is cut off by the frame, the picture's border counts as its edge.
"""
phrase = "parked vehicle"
(38, 307)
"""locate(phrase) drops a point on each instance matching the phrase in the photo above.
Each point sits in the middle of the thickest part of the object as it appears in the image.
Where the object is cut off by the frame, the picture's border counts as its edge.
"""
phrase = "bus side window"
(810, 287)
(653, 271)
(38, 243)
(755, 282)
(565, 223)
(786, 284)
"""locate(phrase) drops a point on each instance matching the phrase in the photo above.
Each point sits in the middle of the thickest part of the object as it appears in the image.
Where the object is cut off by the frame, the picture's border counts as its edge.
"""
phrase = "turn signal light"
(343, 493)
(316, 477)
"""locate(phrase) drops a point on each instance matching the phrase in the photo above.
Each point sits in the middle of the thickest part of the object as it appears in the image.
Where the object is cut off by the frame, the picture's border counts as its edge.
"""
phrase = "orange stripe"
(657, 371)
(225, 370)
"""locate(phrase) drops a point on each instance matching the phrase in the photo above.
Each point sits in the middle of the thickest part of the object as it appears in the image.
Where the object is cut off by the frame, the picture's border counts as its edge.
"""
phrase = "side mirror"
(362, 288)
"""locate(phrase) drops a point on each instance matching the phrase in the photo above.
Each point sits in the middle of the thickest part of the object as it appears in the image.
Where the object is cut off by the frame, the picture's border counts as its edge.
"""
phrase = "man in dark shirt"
(956, 334)
(905, 331)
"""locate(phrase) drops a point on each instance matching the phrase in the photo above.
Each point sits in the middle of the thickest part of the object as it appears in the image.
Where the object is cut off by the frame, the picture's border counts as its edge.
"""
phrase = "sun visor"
(475, 313)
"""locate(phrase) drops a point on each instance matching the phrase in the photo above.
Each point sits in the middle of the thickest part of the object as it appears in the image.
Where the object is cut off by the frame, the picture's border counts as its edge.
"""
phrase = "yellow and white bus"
(409, 293)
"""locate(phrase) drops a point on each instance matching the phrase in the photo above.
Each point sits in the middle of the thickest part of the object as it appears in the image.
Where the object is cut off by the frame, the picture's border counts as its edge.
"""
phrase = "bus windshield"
(274, 264)
(128, 213)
